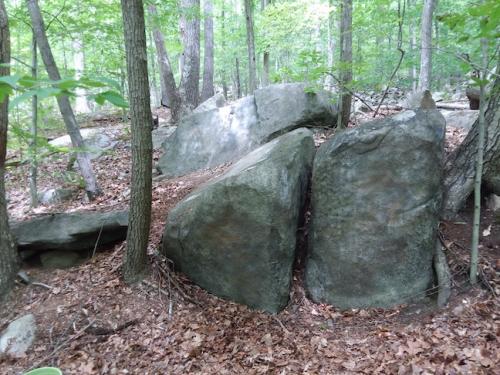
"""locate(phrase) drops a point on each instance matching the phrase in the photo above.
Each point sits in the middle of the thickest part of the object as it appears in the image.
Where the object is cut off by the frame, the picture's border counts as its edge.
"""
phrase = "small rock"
(52, 196)
(18, 336)
(493, 202)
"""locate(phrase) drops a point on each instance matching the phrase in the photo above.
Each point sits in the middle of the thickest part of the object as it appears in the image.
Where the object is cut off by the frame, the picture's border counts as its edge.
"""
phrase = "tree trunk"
(208, 61)
(190, 33)
(63, 101)
(135, 261)
(237, 79)
(34, 128)
(154, 86)
(223, 72)
(424, 81)
(81, 104)
(460, 166)
(346, 62)
(266, 57)
(170, 94)
(8, 251)
(413, 43)
(329, 82)
(252, 66)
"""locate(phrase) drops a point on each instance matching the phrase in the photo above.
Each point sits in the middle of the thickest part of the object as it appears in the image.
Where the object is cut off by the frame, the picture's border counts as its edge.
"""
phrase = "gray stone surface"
(96, 141)
(18, 337)
(159, 135)
(461, 119)
(376, 199)
(60, 259)
(70, 231)
(216, 101)
(210, 138)
(58, 195)
(236, 235)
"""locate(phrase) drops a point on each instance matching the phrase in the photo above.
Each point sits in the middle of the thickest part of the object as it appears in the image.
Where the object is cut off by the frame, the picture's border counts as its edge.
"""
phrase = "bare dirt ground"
(90, 322)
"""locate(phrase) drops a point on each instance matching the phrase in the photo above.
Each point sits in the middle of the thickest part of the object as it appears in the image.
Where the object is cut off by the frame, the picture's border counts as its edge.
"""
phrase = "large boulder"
(216, 101)
(97, 142)
(210, 138)
(235, 236)
(376, 199)
(76, 231)
(461, 119)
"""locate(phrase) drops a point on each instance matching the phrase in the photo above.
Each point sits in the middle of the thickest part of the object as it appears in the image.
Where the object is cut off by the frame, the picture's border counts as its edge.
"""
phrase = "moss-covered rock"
(236, 236)
(376, 198)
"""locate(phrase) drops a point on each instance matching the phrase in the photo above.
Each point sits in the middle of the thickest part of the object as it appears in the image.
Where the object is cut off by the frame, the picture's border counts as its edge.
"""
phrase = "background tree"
(424, 80)
(208, 60)
(135, 261)
(345, 62)
(252, 66)
(190, 33)
(8, 249)
(63, 101)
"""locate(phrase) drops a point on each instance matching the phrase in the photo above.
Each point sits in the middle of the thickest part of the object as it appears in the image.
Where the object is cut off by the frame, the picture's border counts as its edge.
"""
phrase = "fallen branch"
(452, 106)
(102, 331)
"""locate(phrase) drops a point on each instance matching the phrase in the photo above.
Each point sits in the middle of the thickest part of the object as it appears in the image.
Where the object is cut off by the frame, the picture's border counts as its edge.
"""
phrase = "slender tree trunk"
(252, 66)
(460, 166)
(190, 32)
(63, 101)
(135, 261)
(34, 128)
(81, 104)
(413, 44)
(329, 82)
(346, 62)
(8, 251)
(265, 57)
(170, 94)
(223, 27)
(474, 255)
(154, 86)
(237, 79)
(208, 61)
(424, 81)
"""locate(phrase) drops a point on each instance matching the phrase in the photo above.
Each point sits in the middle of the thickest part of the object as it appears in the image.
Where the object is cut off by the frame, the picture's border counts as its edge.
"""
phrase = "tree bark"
(34, 128)
(63, 101)
(208, 61)
(8, 252)
(252, 66)
(237, 78)
(459, 167)
(329, 82)
(266, 55)
(223, 72)
(190, 33)
(170, 95)
(135, 262)
(346, 62)
(81, 104)
(154, 85)
(413, 43)
(424, 81)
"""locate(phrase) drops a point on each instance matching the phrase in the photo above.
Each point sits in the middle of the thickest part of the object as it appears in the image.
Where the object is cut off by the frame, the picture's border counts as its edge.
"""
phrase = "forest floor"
(90, 322)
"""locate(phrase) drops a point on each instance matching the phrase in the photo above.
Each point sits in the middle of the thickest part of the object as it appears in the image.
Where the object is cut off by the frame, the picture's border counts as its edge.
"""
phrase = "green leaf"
(113, 97)
(11, 80)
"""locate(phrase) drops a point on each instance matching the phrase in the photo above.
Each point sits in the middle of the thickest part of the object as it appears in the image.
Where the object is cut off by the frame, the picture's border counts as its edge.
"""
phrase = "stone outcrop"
(236, 235)
(210, 138)
(376, 199)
